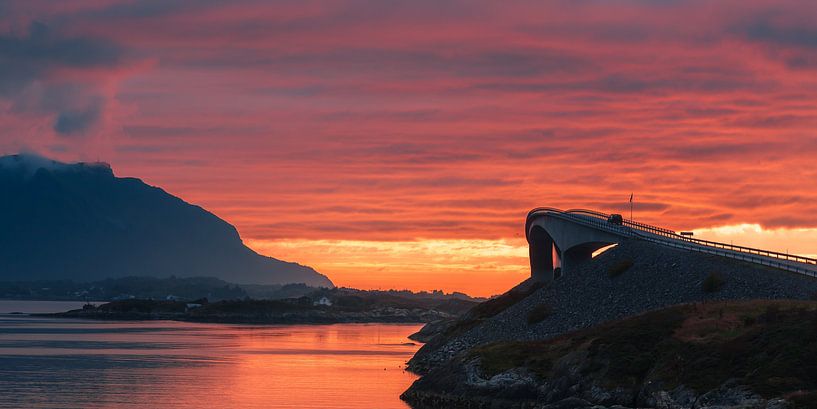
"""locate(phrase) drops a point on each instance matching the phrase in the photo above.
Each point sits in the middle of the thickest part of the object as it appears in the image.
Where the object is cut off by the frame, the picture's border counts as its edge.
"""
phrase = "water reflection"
(48, 363)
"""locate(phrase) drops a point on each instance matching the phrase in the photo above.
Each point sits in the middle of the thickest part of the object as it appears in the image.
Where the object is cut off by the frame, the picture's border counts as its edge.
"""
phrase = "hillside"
(715, 354)
(82, 223)
(631, 278)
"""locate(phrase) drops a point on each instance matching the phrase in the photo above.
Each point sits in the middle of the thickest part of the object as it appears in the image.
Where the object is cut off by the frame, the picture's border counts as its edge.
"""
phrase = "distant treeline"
(194, 288)
(124, 288)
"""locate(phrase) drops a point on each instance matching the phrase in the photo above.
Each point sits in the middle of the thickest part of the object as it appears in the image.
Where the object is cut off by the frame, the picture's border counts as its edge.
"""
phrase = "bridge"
(572, 236)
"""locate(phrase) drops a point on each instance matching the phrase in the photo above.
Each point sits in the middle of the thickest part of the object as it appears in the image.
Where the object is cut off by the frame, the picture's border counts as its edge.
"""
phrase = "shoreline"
(223, 320)
(257, 312)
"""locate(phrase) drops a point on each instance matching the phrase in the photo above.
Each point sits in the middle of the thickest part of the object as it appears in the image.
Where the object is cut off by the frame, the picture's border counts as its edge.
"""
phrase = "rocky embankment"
(547, 345)
(631, 278)
(737, 354)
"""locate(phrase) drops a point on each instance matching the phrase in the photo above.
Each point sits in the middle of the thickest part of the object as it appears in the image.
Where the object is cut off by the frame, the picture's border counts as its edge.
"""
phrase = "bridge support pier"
(571, 238)
(576, 255)
(540, 250)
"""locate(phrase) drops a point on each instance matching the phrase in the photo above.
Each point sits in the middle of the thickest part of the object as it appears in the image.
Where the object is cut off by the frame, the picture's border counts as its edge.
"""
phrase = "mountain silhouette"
(80, 222)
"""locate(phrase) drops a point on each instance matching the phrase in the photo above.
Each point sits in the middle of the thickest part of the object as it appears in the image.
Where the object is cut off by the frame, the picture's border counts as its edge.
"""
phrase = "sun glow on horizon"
(477, 267)
(800, 241)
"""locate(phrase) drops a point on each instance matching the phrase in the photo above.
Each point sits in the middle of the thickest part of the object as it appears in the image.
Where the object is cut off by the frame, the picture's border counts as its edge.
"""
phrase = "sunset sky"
(399, 144)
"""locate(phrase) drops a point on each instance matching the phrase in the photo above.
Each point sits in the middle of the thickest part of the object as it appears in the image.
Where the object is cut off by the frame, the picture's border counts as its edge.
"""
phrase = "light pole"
(631, 207)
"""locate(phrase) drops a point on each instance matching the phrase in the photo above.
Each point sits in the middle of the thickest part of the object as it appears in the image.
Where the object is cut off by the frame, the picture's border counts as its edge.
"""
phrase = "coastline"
(249, 312)
(288, 320)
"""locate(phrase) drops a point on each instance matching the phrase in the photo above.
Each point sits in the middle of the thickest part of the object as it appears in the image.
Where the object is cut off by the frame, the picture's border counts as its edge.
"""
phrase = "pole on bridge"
(631, 207)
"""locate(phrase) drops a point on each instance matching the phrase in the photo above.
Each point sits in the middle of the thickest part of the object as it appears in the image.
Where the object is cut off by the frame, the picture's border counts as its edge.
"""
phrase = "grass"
(765, 345)
(627, 343)
(619, 268)
(713, 283)
(537, 356)
(539, 313)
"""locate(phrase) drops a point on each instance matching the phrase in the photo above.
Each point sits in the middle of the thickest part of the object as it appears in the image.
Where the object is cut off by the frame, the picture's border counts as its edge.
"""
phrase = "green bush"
(619, 267)
(713, 283)
(539, 313)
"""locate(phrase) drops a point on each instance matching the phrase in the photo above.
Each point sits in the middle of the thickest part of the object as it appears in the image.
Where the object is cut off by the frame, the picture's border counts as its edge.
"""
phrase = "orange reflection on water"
(351, 366)
(53, 363)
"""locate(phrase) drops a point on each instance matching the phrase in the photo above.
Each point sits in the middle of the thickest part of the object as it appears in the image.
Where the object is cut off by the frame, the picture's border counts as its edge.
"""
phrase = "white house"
(324, 301)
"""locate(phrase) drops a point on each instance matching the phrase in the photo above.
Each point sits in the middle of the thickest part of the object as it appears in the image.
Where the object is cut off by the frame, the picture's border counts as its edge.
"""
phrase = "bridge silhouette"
(574, 235)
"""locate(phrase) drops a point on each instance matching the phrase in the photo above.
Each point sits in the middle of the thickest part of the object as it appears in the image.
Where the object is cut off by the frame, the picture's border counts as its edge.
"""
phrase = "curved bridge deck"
(587, 229)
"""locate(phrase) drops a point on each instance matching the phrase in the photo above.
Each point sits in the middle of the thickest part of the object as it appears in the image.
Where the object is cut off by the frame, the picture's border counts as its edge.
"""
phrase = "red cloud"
(391, 121)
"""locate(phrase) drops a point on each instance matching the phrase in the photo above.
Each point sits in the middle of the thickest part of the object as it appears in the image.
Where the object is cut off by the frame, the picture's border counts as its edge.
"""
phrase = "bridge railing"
(736, 255)
(672, 234)
(725, 246)
(631, 229)
(595, 222)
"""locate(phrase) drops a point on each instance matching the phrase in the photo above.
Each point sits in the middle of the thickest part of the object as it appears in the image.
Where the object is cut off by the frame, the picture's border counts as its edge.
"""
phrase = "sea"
(69, 363)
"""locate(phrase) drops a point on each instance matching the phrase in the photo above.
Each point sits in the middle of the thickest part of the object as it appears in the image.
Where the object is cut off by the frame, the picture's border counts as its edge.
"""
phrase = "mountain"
(80, 222)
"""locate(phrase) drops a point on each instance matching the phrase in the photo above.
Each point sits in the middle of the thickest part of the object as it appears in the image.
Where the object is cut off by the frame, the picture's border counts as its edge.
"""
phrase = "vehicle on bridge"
(615, 219)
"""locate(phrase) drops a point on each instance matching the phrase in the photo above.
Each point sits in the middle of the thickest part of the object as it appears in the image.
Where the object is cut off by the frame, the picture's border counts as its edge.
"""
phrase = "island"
(320, 306)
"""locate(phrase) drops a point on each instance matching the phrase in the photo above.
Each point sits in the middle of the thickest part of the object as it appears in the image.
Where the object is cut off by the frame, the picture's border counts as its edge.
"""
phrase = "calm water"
(50, 363)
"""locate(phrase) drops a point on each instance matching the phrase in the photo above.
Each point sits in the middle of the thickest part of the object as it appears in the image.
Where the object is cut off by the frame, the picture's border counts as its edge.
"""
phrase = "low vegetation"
(188, 288)
(765, 345)
(619, 268)
(539, 313)
(318, 306)
(713, 283)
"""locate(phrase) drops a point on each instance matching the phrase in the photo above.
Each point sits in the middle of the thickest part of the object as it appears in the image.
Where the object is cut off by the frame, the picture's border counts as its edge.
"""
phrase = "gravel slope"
(658, 277)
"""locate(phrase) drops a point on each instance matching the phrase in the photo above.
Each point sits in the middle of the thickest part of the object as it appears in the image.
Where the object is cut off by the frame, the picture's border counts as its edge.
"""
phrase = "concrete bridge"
(570, 236)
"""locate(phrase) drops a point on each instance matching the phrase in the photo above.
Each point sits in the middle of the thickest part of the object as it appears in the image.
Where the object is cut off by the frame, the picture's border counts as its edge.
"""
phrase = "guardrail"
(670, 238)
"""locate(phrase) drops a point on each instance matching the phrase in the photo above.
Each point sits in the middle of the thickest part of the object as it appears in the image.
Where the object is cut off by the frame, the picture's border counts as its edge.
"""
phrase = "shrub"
(713, 283)
(539, 313)
(619, 268)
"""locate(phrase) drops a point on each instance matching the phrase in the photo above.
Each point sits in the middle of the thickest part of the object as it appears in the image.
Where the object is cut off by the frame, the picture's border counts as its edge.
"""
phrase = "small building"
(324, 301)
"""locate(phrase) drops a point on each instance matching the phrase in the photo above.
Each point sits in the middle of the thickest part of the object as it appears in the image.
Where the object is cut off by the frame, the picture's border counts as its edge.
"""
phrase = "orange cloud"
(401, 124)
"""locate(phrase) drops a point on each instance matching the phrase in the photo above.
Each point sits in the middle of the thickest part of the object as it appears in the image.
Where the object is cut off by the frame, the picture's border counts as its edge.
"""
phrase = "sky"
(400, 144)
